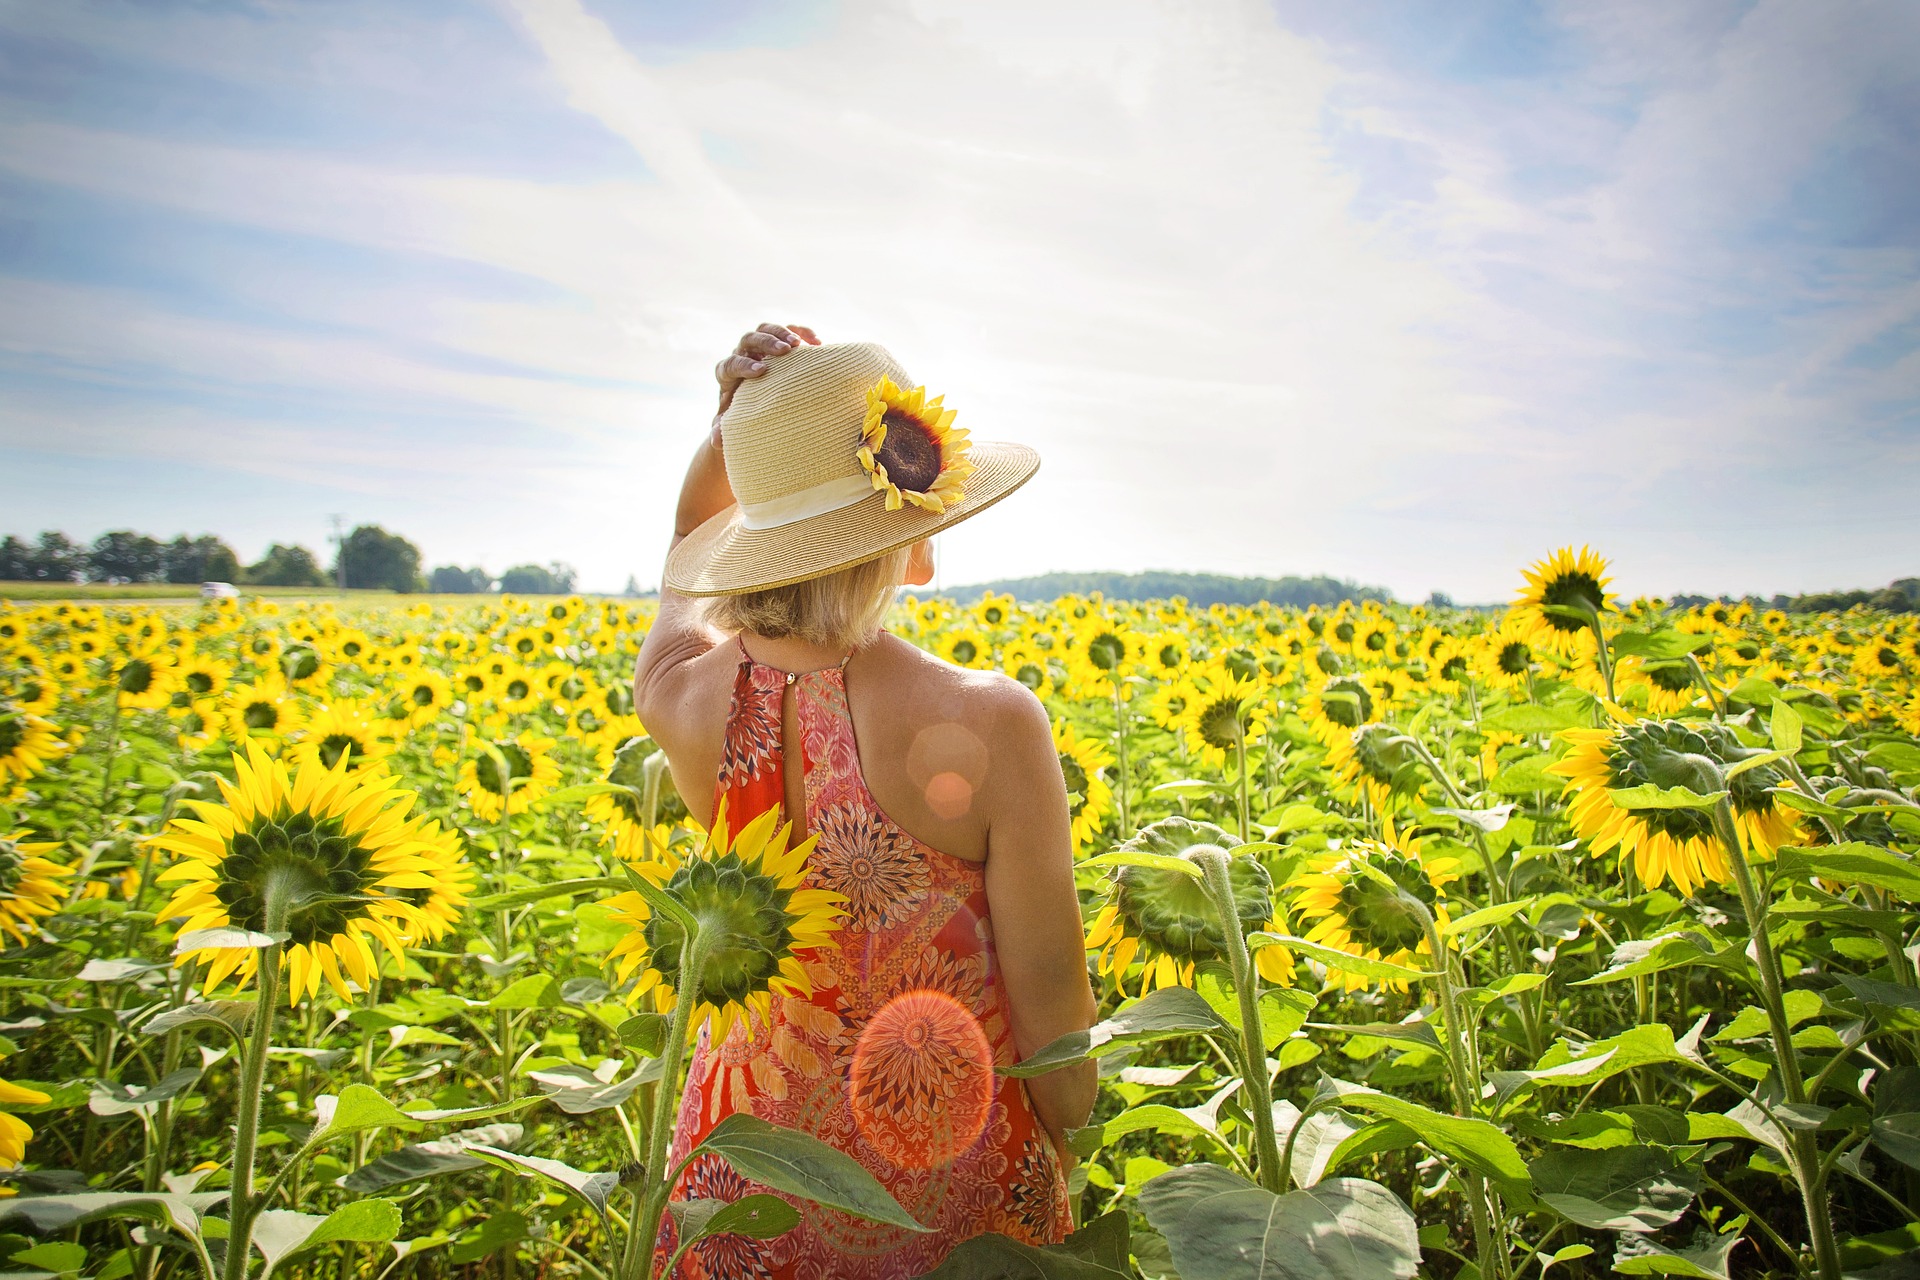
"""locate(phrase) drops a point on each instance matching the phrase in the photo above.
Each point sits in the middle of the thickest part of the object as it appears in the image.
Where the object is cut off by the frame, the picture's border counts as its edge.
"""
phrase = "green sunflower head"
(1170, 911)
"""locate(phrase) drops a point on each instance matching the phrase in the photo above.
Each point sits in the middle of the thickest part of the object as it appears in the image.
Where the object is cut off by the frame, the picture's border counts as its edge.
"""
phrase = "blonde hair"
(842, 610)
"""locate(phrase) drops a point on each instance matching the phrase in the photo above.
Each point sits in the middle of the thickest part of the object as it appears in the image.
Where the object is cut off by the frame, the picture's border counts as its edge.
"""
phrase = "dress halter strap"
(741, 640)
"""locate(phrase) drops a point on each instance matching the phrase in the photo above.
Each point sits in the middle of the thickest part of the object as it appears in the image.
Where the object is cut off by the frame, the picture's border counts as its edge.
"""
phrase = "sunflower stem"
(1713, 694)
(108, 751)
(1120, 738)
(1240, 750)
(645, 1232)
(1600, 644)
(1253, 1049)
(1803, 1150)
(244, 1205)
(1463, 1069)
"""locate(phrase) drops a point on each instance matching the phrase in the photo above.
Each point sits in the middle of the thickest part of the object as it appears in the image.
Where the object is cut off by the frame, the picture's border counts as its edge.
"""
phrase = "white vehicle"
(219, 591)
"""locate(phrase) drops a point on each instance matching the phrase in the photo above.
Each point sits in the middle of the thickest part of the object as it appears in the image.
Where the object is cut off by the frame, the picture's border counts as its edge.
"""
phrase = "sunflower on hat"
(911, 449)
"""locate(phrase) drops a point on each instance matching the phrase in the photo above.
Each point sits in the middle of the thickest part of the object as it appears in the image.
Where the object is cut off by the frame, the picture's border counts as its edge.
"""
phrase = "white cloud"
(1120, 231)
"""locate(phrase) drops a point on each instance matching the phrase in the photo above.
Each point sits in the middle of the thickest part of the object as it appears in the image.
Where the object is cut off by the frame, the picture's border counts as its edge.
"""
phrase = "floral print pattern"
(918, 921)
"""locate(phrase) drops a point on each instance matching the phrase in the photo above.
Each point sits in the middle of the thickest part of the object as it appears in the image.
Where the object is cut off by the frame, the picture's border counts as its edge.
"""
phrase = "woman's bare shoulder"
(930, 689)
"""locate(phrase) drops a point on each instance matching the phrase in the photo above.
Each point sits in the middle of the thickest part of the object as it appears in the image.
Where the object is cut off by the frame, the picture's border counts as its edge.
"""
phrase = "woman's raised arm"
(678, 634)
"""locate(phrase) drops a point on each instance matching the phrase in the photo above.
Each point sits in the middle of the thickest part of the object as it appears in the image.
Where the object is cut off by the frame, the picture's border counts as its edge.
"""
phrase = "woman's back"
(889, 1058)
(929, 734)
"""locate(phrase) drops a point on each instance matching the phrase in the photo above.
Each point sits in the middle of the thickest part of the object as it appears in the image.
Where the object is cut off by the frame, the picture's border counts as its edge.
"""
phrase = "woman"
(934, 791)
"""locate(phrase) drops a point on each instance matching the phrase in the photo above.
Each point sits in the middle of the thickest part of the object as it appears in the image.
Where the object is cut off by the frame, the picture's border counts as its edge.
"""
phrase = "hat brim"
(725, 558)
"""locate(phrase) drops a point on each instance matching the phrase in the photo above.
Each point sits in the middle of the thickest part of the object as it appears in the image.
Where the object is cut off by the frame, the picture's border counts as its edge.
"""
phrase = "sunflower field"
(1568, 940)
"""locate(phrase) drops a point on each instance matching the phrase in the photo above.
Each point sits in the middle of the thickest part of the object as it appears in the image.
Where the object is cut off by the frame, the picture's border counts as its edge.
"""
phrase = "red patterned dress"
(916, 919)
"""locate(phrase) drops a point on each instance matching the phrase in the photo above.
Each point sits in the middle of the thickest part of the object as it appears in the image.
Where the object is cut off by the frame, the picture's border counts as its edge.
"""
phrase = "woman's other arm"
(678, 633)
(1036, 913)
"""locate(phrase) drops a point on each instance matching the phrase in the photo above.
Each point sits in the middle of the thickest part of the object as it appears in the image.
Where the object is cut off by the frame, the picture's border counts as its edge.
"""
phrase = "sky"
(1406, 293)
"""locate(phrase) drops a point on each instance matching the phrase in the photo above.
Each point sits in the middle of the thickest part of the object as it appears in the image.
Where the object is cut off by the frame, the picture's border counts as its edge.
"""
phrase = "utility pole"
(339, 553)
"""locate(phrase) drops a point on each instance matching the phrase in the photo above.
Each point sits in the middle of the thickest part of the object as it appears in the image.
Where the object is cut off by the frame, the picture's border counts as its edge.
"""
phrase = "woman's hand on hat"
(749, 360)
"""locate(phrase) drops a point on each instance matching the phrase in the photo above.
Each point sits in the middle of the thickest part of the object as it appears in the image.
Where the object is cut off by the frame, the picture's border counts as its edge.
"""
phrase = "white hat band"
(791, 508)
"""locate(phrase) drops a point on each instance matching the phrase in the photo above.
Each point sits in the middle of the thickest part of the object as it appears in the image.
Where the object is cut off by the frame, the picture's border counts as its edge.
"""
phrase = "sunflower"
(1877, 658)
(1369, 763)
(623, 811)
(1666, 844)
(420, 699)
(1669, 686)
(198, 678)
(30, 679)
(994, 611)
(27, 744)
(1084, 763)
(1166, 920)
(264, 709)
(1339, 706)
(911, 449)
(1029, 668)
(531, 770)
(1223, 711)
(966, 648)
(15, 1133)
(517, 690)
(1504, 656)
(143, 680)
(749, 894)
(1564, 580)
(344, 730)
(334, 850)
(1358, 900)
(30, 885)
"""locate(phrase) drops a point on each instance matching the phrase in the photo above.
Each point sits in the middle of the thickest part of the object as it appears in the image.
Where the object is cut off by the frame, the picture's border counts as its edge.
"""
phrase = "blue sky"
(1407, 293)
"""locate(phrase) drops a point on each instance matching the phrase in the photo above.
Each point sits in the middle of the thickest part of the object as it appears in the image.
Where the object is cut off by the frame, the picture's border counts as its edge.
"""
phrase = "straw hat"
(836, 458)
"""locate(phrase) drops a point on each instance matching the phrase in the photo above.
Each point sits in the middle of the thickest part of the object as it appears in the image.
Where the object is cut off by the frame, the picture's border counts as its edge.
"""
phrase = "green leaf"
(1188, 789)
(1786, 728)
(1152, 861)
(1316, 1140)
(543, 892)
(1301, 817)
(420, 1160)
(280, 1233)
(357, 1109)
(1487, 821)
(1098, 1251)
(1525, 776)
(1896, 1007)
(801, 1165)
(1221, 1227)
(644, 1033)
(1649, 796)
(593, 1188)
(579, 1092)
(1636, 1255)
(497, 1232)
(1531, 717)
(47, 1214)
(58, 1256)
(1660, 646)
(1598, 1060)
(1855, 863)
(206, 939)
(1636, 1188)
(1168, 1011)
(1896, 1114)
(1754, 761)
(760, 1216)
(1333, 958)
(1475, 1143)
(1154, 1117)
(1676, 950)
(535, 991)
(110, 1099)
(1485, 917)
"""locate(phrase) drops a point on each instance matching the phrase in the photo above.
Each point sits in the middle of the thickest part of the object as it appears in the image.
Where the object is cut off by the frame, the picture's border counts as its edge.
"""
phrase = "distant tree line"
(370, 558)
(1900, 596)
(1200, 589)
